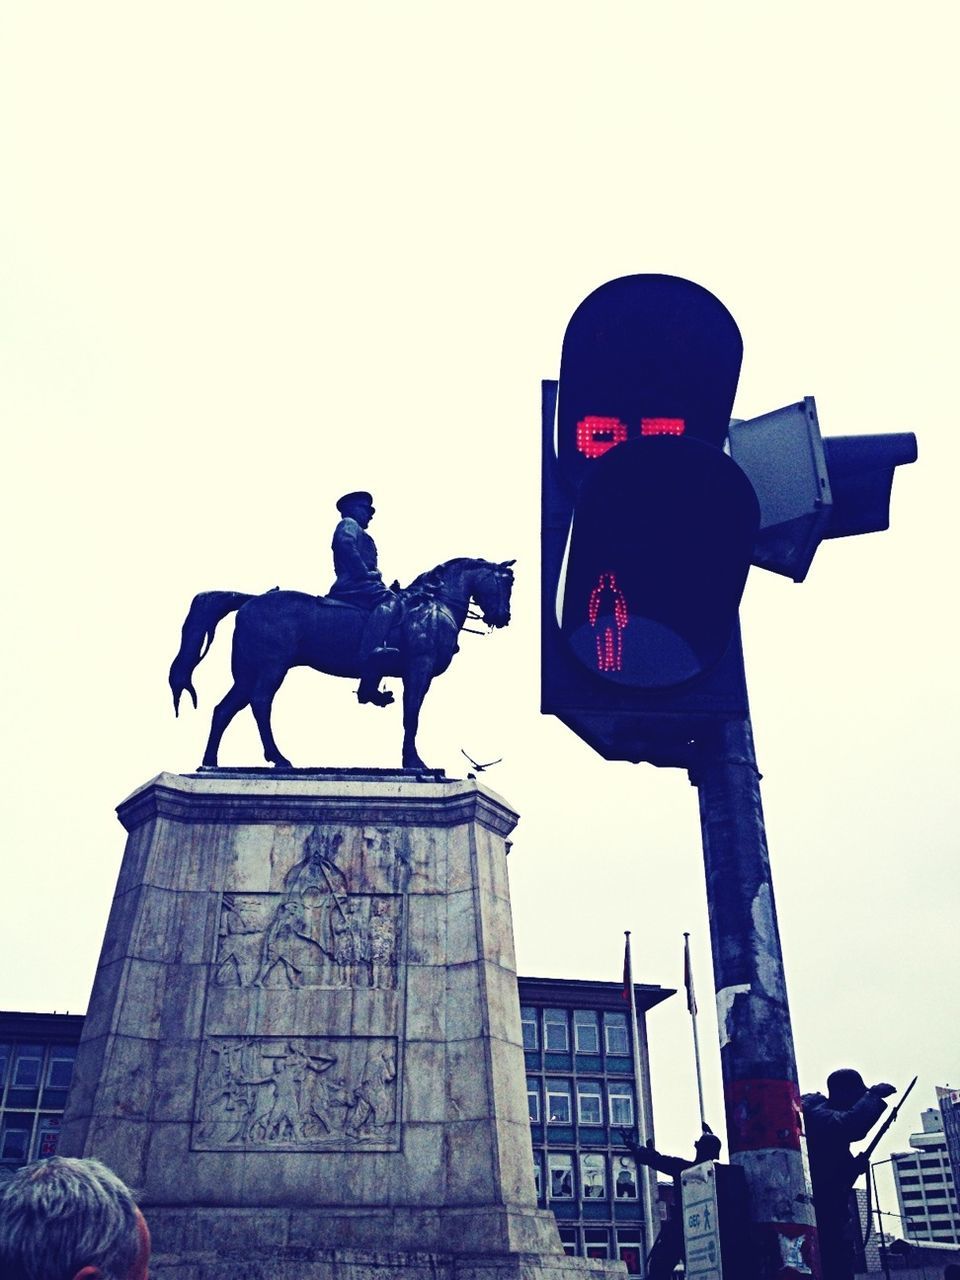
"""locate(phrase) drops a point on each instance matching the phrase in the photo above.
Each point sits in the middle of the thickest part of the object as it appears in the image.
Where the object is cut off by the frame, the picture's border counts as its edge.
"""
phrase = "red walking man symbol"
(608, 617)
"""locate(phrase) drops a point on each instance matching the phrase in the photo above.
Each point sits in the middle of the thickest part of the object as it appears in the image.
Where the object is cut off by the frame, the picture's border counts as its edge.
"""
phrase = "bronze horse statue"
(284, 629)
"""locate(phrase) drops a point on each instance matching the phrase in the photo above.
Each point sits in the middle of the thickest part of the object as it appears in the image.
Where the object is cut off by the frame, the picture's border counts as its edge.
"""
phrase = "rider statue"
(359, 583)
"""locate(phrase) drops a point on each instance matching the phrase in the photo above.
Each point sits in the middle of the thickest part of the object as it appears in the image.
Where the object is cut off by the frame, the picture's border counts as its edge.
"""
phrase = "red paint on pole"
(763, 1114)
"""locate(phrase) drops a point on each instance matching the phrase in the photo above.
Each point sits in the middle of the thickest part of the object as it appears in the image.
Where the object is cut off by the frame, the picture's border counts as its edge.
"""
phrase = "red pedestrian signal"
(663, 530)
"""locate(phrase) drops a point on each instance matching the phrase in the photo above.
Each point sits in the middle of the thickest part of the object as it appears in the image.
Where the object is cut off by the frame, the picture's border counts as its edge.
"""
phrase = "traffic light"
(655, 505)
(649, 526)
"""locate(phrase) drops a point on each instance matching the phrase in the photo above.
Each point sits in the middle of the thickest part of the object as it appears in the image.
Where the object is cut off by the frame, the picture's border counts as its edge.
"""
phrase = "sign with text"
(701, 1227)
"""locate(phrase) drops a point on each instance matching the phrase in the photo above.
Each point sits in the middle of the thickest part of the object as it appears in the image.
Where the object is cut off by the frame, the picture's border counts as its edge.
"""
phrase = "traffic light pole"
(761, 1095)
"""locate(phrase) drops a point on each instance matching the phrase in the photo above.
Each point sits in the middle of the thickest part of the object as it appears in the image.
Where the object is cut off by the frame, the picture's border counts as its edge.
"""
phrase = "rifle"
(862, 1160)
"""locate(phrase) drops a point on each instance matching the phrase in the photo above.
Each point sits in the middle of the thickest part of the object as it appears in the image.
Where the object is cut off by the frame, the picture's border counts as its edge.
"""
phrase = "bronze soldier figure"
(848, 1112)
(358, 582)
(667, 1249)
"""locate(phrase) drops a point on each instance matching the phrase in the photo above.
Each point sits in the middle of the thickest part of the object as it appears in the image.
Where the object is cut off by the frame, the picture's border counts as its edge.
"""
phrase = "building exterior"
(582, 1089)
(37, 1052)
(582, 1082)
(925, 1187)
(949, 1100)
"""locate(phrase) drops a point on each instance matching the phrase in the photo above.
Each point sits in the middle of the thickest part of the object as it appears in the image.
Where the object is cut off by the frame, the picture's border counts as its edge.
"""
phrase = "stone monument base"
(303, 1047)
(217, 1244)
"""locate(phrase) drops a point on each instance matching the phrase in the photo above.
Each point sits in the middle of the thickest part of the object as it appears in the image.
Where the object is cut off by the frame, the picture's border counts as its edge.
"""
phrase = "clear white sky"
(254, 255)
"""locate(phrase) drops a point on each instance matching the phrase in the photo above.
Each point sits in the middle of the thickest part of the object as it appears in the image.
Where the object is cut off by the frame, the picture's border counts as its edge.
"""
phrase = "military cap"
(359, 495)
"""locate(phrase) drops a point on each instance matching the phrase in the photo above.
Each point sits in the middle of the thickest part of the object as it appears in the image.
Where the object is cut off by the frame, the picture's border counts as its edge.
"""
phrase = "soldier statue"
(849, 1111)
(667, 1249)
(358, 582)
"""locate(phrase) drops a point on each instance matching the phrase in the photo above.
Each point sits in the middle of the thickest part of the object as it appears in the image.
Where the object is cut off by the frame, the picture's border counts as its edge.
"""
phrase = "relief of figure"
(383, 943)
(238, 954)
(226, 1097)
(321, 1098)
(280, 944)
(317, 870)
(373, 1096)
(350, 944)
(283, 1122)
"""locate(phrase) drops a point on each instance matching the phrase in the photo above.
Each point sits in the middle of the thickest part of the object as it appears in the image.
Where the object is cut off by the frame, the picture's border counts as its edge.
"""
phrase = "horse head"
(490, 586)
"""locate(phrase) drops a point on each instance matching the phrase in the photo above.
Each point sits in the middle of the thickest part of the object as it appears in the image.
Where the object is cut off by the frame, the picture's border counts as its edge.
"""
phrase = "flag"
(688, 977)
(627, 973)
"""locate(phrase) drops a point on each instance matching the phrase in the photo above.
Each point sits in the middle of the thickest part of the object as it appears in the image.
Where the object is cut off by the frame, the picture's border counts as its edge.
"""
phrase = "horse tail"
(196, 637)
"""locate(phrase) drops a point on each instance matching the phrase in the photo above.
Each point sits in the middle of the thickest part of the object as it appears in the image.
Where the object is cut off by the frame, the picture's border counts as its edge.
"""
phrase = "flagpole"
(692, 1009)
(644, 1173)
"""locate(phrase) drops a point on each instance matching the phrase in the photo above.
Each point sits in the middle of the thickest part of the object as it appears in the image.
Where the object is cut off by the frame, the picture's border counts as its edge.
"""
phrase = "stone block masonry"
(303, 1047)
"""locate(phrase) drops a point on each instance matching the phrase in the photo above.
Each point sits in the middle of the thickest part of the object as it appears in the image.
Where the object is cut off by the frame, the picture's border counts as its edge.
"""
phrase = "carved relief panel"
(335, 921)
(278, 1093)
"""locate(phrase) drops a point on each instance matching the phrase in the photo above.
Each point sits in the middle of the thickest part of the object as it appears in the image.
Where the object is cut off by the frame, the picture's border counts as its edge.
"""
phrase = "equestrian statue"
(362, 630)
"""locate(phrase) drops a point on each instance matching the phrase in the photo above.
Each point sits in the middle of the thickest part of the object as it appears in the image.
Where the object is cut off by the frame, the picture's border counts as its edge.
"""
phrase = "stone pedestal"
(303, 1045)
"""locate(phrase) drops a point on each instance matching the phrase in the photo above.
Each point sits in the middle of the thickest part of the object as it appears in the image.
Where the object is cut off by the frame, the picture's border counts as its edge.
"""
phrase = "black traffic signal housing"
(655, 504)
(812, 487)
(648, 526)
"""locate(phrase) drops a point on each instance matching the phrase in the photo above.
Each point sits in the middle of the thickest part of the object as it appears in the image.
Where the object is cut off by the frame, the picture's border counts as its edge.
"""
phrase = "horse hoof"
(379, 697)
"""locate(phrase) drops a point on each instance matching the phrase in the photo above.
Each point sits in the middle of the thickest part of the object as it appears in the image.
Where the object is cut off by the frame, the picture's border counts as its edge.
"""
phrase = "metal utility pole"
(761, 1095)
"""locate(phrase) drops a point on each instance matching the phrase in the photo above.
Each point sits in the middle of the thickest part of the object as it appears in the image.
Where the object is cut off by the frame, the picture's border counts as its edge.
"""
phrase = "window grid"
(30, 1132)
(579, 1176)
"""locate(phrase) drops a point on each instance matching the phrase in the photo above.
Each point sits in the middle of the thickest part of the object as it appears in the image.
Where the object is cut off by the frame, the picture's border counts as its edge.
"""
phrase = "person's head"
(708, 1147)
(845, 1087)
(67, 1219)
(358, 506)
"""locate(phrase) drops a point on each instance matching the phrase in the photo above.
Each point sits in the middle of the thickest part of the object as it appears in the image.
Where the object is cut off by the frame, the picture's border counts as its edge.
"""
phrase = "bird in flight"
(479, 767)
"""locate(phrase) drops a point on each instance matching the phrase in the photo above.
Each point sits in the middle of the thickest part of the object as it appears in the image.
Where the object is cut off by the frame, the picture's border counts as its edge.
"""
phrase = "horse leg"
(261, 701)
(416, 682)
(235, 700)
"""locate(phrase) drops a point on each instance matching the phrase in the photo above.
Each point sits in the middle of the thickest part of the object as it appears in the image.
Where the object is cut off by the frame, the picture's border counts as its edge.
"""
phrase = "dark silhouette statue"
(362, 629)
(667, 1249)
(358, 582)
(848, 1112)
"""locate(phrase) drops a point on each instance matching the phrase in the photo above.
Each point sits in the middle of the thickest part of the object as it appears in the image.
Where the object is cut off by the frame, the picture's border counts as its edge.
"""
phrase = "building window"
(568, 1238)
(26, 1067)
(60, 1066)
(538, 1174)
(533, 1100)
(593, 1176)
(4, 1059)
(615, 1033)
(586, 1031)
(560, 1165)
(625, 1178)
(556, 1034)
(528, 1025)
(596, 1242)
(558, 1102)
(620, 1097)
(589, 1106)
(629, 1247)
(15, 1138)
